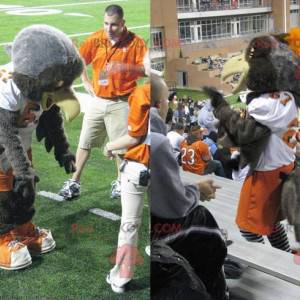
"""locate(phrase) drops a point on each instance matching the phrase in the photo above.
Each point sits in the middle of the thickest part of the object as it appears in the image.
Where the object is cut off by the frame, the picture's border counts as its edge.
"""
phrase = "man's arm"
(122, 142)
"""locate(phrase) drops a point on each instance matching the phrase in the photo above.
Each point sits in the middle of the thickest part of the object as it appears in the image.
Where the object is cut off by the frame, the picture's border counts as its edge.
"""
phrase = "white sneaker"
(115, 288)
(115, 189)
(70, 189)
(14, 255)
(37, 240)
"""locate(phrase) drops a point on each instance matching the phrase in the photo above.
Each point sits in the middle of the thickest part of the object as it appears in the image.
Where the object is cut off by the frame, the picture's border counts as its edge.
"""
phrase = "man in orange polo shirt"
(118, 57)
(134, 182)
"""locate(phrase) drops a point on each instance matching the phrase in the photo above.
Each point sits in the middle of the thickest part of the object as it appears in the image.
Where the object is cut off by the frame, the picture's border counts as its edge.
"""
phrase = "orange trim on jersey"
(259, 205)
(192, 156)
(138, 121)
(97, 50)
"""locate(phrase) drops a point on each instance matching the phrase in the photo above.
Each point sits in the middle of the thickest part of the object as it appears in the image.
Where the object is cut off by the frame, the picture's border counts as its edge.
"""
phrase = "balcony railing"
(218, 7)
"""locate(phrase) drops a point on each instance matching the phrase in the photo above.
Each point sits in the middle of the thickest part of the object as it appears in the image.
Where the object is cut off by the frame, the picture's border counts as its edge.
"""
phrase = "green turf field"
(78, 267)
(199, 95)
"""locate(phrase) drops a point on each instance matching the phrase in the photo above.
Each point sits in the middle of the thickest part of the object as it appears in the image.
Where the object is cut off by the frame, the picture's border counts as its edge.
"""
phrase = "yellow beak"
(236, 65)
(65, 99)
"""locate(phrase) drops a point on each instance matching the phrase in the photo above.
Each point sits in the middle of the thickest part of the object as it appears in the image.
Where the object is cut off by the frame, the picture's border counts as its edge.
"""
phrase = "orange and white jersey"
(11, 99)
(279, 113)
(138, 124)
(194, 157)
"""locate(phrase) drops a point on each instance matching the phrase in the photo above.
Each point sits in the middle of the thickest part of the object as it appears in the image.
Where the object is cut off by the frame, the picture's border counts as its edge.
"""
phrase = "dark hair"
(192, 137)
(114, 10)
(171, 96)
(178, 126)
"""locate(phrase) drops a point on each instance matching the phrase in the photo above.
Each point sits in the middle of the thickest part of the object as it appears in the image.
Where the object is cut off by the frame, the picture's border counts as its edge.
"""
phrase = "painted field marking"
(51, 196)
(33, 12)
(87, 33)
(105, 214)
(57, 5)
(78, 15)
(5, 7)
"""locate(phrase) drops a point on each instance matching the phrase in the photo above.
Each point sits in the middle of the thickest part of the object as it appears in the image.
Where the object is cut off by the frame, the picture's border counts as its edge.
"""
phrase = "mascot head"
(270, 63)
(45, 64)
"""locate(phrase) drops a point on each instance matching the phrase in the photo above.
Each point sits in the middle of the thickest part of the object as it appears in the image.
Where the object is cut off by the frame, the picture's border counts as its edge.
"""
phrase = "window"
(184, 5)
(294, 2)
(215, 28)
(186, 31)
(253, 24)
(158, 64)
(295, 18)
(205, 29)
(182, 78)
(250, 3)
(157, 40)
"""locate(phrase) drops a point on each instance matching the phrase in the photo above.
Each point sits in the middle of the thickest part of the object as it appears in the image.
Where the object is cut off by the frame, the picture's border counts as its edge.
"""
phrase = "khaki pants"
(103, 118)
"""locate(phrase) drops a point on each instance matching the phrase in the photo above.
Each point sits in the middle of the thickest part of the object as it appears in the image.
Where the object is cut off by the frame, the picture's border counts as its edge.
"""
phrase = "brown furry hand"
(68, 161)
(24, 185)
(216, 98)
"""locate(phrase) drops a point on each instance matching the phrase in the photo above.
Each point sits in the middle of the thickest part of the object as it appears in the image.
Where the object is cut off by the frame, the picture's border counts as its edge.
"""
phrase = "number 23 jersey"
(194, 157)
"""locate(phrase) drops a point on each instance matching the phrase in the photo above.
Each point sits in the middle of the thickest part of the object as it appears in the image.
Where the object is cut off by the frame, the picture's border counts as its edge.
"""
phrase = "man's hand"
(207, 190)
(88, 86)
(108, 152)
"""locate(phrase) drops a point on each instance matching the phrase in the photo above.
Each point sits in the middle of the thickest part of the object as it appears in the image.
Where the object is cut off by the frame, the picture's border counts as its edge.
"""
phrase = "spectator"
(196, 157)
(206, 118)
(175, 137)
(174, 203)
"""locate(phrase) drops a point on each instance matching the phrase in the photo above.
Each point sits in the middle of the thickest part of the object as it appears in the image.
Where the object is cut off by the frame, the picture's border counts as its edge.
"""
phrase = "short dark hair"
(179, 126)
(171, 96)
(114, 10)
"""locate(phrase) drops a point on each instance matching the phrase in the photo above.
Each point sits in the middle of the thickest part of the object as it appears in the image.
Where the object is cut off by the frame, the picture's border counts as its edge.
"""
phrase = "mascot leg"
(37, 240)
(13, 254)
(252, 237)
(279, 239)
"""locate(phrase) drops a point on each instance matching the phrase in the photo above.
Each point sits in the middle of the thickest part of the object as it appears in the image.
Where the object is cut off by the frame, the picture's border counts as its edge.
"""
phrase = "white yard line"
(61, 5)
(105, 214)
(86, 33)
(51, 196)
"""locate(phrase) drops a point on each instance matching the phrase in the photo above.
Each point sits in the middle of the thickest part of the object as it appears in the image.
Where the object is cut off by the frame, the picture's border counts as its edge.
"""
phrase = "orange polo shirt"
(192, 156)
(98, 51)
(138, 122)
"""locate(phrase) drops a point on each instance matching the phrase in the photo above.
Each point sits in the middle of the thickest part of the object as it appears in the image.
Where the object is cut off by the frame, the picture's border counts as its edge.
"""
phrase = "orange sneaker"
(37, 240)
(13, 254)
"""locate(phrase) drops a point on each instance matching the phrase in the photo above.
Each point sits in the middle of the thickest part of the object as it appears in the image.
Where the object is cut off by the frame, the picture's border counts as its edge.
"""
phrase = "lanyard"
(115, 46)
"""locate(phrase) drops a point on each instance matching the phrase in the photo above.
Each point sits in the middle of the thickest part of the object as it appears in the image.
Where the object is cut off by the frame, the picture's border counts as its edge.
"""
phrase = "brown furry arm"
(51, 128)
(11, 142)
(245, 133)
(24, 183)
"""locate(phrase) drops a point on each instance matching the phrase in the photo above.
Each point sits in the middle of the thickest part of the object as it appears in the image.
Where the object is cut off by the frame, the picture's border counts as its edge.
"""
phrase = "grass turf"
(78, 267)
